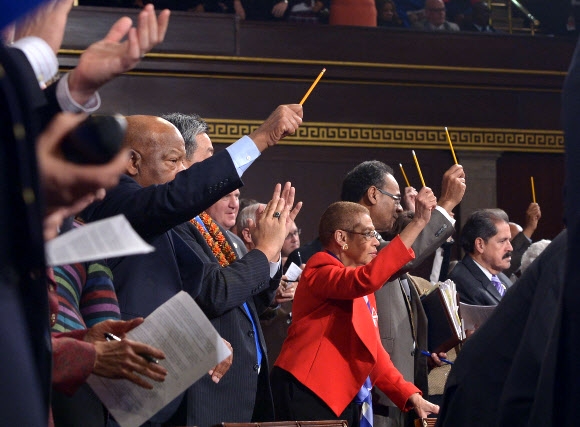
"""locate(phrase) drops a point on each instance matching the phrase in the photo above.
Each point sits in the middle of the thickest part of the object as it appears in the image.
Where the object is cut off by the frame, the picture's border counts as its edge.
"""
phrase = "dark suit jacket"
(402, 321)
(520, 244)
(494, 381)
(473, 285)
(144, 282)
(24, 314)
(222, 293)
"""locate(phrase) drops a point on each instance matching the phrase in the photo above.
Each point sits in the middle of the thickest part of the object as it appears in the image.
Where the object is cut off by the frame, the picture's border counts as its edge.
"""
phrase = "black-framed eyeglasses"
(368, 235)
(397, 199)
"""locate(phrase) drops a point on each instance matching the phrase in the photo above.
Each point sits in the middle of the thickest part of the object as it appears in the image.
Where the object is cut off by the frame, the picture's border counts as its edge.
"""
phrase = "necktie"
(364, 396)
(498, 285)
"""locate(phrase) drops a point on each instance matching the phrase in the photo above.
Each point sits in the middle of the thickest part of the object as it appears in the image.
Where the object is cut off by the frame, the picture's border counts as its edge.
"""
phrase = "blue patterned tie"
(498, 285)
(364, 396)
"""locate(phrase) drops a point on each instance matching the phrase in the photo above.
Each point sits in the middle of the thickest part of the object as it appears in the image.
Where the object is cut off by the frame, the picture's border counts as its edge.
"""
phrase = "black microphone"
(96, 140)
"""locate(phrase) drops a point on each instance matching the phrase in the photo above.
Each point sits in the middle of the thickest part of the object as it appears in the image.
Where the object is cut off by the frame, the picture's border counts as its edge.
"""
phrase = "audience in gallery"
(468, 15)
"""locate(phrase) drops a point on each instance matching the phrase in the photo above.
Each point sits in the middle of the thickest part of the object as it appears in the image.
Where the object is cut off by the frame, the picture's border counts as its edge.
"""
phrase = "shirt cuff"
(275, 266)
(41, 58)
(446, 215)
(67, 103)
(243, 153)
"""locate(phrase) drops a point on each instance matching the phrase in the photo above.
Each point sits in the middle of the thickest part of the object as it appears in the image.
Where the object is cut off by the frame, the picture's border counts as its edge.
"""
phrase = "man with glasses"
(402, 320)
(291, 243)
(435, 18)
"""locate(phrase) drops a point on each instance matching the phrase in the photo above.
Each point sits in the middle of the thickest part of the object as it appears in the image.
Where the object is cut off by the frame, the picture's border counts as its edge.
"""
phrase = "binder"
(444, 326)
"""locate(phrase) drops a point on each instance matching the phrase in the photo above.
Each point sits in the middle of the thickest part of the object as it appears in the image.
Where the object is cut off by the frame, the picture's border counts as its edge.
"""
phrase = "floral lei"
(215, 239)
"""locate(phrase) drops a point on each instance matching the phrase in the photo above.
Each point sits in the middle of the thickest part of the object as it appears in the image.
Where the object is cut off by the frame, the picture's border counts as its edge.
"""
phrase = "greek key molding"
(401, 136)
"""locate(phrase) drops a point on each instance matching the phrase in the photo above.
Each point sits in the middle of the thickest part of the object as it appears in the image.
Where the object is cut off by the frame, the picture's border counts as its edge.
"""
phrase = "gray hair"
(533, 252)
(249, 212)
(189, 125)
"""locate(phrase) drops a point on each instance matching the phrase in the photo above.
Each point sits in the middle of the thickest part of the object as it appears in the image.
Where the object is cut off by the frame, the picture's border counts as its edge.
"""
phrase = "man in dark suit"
(485, 238)
(402, 320)
(27, 191)
(236, 288)
(495, 379)
(158, 194)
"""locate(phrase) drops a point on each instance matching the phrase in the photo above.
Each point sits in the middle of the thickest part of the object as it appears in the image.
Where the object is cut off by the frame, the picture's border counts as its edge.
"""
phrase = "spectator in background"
(353, 12)
(480, 16)
(291, 243)
(260, 10)
(435, 17)
(309, 11)
(532, 253)
(521, 238)
(387, 15)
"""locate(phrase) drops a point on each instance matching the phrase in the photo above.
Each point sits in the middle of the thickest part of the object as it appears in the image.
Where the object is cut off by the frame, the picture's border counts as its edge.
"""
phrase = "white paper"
(107, 238)
(192, 347)
(293, 272)
(450, 293)
(475, 315)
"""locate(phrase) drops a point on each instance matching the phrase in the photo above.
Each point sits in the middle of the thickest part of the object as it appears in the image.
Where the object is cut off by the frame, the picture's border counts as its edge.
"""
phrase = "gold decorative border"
(401, 136)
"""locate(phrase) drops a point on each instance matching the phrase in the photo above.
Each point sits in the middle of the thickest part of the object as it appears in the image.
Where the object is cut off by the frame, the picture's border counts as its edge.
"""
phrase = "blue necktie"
(364, 396)
(498, 285)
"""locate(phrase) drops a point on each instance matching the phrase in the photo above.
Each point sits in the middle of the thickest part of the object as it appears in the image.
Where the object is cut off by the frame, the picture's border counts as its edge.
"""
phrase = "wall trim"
(401, 136)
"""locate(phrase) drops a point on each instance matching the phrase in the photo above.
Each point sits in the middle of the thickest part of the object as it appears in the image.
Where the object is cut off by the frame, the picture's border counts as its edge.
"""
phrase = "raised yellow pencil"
(533, 189)
(404, 175)
(451, 145)
(312, 87)
(418, 168)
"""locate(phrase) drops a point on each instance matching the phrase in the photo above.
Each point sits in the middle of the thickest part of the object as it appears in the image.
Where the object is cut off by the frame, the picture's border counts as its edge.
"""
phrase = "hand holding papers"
(192, 347)
(441, 308)
(293, 272)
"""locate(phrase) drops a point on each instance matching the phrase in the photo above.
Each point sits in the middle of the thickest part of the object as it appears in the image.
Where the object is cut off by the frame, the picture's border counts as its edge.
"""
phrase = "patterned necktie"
(364, 396)
(498, 285)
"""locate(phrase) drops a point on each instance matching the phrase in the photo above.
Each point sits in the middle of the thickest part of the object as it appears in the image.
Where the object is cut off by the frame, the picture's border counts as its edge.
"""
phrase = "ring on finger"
(276, 214)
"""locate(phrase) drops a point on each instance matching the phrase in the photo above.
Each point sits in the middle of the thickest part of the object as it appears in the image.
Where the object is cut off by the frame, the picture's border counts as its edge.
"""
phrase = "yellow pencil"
(533, 189)
(312, 87)
(404, 175)
(418, 168)
(451, 145)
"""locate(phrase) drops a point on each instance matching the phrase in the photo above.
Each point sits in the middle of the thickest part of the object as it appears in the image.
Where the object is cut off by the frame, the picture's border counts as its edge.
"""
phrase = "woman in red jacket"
(333, 353)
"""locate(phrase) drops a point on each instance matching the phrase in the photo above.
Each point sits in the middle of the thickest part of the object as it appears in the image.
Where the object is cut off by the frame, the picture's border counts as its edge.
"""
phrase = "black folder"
(442, 334)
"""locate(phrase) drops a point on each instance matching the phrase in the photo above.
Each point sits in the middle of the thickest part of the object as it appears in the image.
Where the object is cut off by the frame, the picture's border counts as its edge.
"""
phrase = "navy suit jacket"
(240, 395)
(26, 360)
(144, 282)
(473, 285)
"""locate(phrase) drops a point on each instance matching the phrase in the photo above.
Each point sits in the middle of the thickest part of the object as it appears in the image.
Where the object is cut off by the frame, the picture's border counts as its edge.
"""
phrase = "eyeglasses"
(295, 233)
(397, 199)
(368, 235)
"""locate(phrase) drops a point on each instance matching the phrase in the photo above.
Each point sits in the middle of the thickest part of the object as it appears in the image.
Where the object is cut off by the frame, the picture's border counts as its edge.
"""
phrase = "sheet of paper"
(192, 347)
(107, 238)
(293, 272)
(475, 315)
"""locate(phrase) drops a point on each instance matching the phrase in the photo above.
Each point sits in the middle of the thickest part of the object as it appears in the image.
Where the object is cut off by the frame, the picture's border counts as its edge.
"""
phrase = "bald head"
(157, 150)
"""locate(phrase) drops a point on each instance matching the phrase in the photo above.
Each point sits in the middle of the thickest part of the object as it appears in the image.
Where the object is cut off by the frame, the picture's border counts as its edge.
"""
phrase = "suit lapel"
(482, 278)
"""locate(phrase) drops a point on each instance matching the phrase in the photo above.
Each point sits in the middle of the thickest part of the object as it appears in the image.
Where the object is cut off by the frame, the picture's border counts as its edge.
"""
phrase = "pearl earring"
(344, 247)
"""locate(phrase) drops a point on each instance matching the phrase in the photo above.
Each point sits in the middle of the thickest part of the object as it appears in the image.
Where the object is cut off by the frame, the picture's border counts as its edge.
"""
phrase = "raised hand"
(284, 121)
(452, 188)
(107, 58)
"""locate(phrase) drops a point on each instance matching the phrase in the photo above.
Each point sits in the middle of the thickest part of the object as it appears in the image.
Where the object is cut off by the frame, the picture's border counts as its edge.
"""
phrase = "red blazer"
(333, 344)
